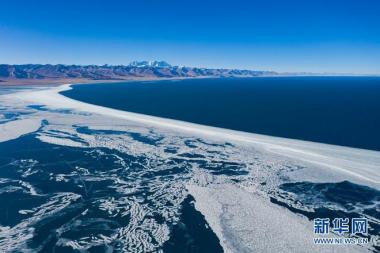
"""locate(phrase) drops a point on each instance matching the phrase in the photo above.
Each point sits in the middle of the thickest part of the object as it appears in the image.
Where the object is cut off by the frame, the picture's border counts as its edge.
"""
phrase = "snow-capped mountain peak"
(144, 64)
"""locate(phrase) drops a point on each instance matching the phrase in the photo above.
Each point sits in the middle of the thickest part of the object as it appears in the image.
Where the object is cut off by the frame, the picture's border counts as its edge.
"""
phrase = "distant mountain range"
(136, 69)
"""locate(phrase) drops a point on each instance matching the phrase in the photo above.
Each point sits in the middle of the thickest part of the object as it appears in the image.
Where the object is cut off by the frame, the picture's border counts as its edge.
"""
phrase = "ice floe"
(14, 129)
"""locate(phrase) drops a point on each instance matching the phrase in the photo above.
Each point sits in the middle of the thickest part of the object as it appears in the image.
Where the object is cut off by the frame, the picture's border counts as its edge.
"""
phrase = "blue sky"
(293, 35)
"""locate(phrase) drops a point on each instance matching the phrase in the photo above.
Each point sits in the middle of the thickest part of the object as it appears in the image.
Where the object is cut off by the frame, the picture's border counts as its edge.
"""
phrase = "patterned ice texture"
(78, 181)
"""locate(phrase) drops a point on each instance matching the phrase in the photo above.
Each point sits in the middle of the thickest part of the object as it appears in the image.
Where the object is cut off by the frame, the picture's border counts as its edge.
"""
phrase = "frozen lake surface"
(83, 177)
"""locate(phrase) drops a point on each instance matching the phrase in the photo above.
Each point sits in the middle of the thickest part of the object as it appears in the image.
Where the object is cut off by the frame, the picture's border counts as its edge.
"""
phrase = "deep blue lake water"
(335, 110)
